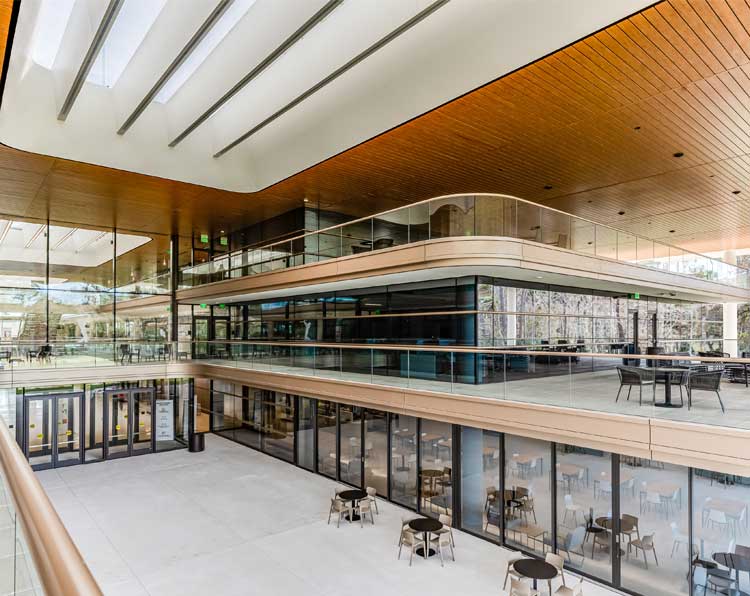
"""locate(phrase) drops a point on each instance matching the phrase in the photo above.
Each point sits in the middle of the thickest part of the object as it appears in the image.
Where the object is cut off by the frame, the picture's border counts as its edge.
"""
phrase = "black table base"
(420, 551)
(667, 405)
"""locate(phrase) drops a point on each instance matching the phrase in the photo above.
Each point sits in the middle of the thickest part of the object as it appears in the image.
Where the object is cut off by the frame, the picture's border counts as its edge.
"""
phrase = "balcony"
(464, 216)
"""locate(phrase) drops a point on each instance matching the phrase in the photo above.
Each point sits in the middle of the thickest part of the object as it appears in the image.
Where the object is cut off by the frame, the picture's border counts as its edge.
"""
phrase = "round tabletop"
(732, 561)
(354, 494)
(670, 369)
(425, 524)
(432, 473)
(535, 569)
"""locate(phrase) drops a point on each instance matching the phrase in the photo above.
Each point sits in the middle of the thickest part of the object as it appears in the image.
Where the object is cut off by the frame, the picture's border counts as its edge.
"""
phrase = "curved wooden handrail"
(60, 567)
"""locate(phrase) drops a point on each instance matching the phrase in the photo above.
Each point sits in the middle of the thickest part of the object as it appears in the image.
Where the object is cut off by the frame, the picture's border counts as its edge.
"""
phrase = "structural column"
(730, 315)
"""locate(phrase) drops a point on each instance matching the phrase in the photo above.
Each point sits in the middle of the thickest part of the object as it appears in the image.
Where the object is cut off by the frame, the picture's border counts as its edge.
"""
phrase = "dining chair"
(705, 381)
(521, 588)
(405, 519)
(510, 570)
(447, 528)
(629, 526)
(571, 507)
(644, 544)
(572, 542)
(339, 507)
(363, 507)
(717, 519)
(575, 590)
(411, 540)
(490, 497)
(372, 497)
(527, 506)
(440, 540)
(634, 376)
(558, 563)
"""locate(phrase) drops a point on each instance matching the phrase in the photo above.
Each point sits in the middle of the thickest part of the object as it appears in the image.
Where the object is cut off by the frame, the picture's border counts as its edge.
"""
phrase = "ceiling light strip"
(64, 239)
(420, 16)
(197, 37)
(91, 241)
(6, 229)
(267, 61)
(110, 14)
(36, 235)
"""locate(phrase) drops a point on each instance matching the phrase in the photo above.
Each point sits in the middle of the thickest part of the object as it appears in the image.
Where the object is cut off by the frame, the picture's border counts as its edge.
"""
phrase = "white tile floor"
(232, 521)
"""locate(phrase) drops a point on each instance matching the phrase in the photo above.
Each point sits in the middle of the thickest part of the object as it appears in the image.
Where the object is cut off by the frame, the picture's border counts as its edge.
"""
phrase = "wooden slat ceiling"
(599, 122)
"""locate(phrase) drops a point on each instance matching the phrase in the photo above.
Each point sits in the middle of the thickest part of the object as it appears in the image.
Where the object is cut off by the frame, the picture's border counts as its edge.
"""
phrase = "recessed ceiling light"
(735, 192)
(305, 200)
(636, 128)
(547, 187)
(671, 231)
(540, 277)
(222, 232)
(589, 201)
(620, 213)
(678, 154)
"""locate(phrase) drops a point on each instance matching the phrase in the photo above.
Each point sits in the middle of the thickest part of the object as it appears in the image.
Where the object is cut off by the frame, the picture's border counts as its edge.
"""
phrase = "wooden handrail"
(59, 566)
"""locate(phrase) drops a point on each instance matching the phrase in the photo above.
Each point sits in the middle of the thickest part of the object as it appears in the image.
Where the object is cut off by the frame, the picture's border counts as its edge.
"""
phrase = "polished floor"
(232, 521)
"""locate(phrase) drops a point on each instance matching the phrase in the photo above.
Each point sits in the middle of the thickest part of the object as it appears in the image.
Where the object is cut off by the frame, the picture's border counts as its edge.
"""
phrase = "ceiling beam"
(197, 37)
(420, 16)
(110, 14)
(265, 63)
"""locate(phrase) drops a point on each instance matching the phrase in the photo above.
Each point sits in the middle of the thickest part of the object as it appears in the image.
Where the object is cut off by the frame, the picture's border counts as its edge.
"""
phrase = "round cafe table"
(352, 496)
(669, 372)
(535, 569)
(734, 563)
(425, 526)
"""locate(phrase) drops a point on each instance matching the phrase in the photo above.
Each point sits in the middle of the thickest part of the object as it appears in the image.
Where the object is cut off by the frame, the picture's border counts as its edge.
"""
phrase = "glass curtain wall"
(528, 494)
(376, 451)
(278, 425)
(350, 444)
(404, 460)
(306, 433)
(481, 496)
(436, 468)
(327, 457)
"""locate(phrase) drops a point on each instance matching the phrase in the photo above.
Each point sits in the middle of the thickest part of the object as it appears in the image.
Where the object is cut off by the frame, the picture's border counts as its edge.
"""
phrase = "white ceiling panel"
(460, 46)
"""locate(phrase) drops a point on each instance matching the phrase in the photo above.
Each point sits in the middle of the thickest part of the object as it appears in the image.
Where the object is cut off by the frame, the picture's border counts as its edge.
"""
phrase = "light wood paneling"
(590, 129)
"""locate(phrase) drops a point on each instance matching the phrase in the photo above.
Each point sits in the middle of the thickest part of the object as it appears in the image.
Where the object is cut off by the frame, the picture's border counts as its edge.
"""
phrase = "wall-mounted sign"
(164, 420)
(204, 238)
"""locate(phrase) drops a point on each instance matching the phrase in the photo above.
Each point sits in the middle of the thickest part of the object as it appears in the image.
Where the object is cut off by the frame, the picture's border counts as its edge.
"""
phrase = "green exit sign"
(224, 240)
(635, 296)
(204, 238)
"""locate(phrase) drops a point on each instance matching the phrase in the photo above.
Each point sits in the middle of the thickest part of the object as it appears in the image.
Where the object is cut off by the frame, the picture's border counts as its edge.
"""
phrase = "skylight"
(203, 50)
(129, 30)
(51, 23)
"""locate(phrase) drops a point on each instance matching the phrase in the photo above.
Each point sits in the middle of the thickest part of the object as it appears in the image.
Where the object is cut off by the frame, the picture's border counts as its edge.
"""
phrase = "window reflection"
(350, 461)
(305, 433)
(436, 468)
(278, 424)
(327, 438)
(376, 451)
(481, 500)
(404, 460)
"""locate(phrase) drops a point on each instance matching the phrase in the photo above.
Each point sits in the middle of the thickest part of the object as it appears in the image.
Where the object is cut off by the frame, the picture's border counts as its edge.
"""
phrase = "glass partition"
(376, 451)
(436, 468)
(306, 433)
(278, 424)
(404, 460)
(350, 441)
(327, 458)
(481, 499)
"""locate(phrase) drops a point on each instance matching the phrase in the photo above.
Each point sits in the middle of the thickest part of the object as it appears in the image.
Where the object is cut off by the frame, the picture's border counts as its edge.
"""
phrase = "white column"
(730, 329)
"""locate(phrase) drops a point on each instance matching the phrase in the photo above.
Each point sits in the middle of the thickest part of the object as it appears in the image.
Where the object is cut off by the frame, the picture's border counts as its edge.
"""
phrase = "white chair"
(411, 540)
(447, 528)
(337, 506)
(510, 571)
(605, 489)
(717, 518)
(440, 540)
(520, 588)
(571, 507)
(558, 563)
(576, 590)
(678, 539)
(371, 496)
(363, 507)
(405, 519)
(644, 544)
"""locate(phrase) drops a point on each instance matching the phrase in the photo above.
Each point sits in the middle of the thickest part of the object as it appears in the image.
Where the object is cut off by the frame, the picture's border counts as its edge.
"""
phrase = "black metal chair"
(633, 376)
(704, 381)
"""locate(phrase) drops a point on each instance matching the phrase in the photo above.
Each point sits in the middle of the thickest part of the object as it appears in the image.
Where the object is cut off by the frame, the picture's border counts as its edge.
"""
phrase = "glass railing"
(704, 389)
(465, 215)
(85, 353)
(38, 556)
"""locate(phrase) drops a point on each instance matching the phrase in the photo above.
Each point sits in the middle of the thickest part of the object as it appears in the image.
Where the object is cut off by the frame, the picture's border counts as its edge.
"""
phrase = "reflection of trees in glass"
(743, 314)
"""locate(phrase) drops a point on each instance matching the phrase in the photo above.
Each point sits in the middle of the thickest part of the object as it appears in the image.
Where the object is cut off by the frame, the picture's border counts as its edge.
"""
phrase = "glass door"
(200, 337)
(39, 435)
(117, 420)
(143, 420)
(221, 332)
(52, 430)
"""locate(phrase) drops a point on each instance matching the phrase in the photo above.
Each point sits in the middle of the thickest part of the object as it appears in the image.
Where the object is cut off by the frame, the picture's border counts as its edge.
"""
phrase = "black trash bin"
(197, 442)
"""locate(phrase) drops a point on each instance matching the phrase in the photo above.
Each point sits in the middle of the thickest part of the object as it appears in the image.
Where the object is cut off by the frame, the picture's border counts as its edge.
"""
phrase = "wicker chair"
(705, 381)
(633, 376)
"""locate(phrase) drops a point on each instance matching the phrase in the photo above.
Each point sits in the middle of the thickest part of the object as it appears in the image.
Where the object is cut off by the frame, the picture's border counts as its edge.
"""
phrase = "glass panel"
(278, 424)
(376, 451)
(626, 247)
(606, 242)
(404, 460)
(94, 425)
(555, 228)
(40, 431)
(452, 216)
(419, 222)
(68, 429)
(143, 405)
(582, 236)
(720, 525)
(356, 238)
(655, 503)
(490, 216)
(528, 222)
(584, 509)
(118, 424)
(481, 501)
(305, 434)
(527, 493)
(350, 461)
(392, 229)
(327, 438)
(436, 447)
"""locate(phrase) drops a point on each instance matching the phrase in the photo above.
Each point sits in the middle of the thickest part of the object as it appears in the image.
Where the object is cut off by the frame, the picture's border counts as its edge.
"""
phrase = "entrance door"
(129, 421)
(52, 431)
(221, 332)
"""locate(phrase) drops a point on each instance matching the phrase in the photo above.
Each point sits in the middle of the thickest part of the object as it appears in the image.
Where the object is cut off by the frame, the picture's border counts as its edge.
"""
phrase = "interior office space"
(490, 260)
